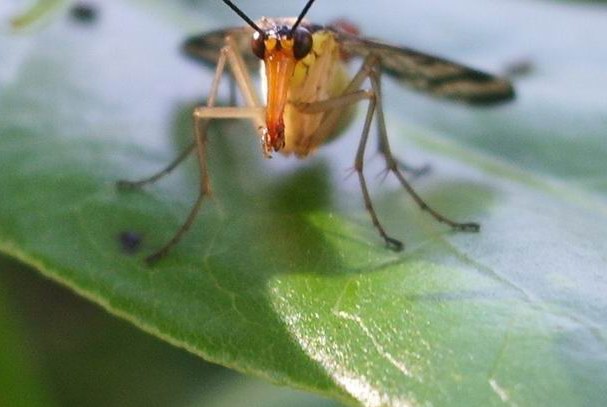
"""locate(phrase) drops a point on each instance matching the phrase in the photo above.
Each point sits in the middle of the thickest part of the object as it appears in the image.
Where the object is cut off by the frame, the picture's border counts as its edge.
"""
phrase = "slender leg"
(232, 99)
(352, 95)
(125, 184)
(342, 100)
(392, 243)
(204, 190)
(333, 113)
(332, 107)
(393, 167)
(202, 116)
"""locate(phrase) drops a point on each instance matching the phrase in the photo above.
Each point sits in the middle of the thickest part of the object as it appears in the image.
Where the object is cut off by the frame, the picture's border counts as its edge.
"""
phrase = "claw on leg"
(394, 244)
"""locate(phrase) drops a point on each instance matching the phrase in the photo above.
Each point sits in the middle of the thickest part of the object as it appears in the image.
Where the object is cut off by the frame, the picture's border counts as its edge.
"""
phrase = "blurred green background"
(60, 350)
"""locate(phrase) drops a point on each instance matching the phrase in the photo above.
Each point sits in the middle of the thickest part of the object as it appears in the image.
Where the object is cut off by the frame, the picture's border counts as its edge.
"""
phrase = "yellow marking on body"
(286, 43)
(270, 43)
(321, 75)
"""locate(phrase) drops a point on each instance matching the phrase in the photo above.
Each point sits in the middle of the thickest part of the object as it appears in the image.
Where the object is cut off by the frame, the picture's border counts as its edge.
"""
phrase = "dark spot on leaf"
(130, 241)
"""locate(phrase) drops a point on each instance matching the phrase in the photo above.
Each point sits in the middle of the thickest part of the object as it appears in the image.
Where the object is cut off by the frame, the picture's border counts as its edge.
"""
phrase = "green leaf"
(283, 275)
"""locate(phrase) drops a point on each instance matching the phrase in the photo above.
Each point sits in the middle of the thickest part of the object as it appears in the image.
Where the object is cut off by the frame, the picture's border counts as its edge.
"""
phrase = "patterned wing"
(430, 74)
(205, 47)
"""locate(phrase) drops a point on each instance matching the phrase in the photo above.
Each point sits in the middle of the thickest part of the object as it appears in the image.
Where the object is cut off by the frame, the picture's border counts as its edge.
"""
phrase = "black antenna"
(302, 15)
(243, 16)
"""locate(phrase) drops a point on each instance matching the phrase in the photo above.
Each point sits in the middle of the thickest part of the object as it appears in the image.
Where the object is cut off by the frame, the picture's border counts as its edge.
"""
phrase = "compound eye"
(258, 45)
(302, 43)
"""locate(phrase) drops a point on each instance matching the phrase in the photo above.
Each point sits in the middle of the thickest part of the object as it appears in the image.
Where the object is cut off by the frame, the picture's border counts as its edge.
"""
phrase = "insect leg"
(336, 102)
(353, 94)
(232, 90)
(126, 184)
(392, 165)
(202, 117)
(331, 107)
(384, 148)
(358, 166)
(188, 150)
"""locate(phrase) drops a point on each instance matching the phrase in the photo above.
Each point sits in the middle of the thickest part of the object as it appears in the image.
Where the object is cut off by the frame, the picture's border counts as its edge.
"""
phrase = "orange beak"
(280, 65)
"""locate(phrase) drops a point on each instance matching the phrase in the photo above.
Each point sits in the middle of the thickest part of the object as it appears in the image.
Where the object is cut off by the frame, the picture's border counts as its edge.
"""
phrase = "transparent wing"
(430, 74)
(205, 47)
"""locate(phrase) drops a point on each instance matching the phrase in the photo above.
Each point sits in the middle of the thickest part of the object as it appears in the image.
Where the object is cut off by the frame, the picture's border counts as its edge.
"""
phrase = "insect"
(309, 92)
